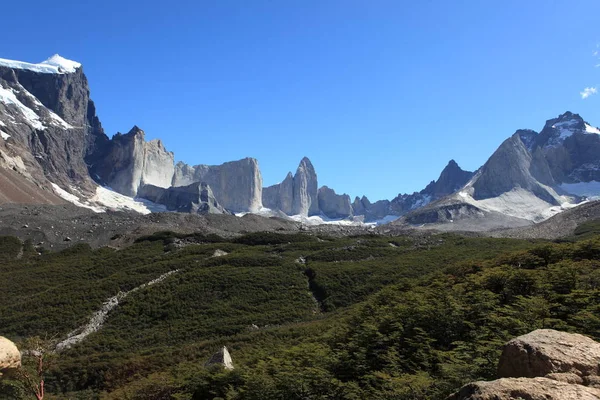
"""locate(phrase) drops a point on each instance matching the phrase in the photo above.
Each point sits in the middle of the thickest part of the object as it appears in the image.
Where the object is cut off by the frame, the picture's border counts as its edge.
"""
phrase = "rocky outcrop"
(547, 351)
(544, 364)
(450, 180)
(10, 357)
(280, 196)
(196, 198)
(236, 184)
(295, 195)
(509, 168)
(334, 205)
(524, 388)
(130, 162)
(305, 190)
(221, 358)
(50, 120)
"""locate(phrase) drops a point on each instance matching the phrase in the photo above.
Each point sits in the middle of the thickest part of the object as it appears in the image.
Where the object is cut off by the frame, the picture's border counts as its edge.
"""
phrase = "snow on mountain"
(4, 135)
(107, 199)
(54, 65)
(591, 129)
(63, 65)
(8, 97)
(519, 203)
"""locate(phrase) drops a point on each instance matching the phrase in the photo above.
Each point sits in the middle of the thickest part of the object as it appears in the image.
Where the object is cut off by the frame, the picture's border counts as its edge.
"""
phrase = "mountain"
(297, 194)
(530, 177)
(236, 184)
(53, 149)
(48, 124)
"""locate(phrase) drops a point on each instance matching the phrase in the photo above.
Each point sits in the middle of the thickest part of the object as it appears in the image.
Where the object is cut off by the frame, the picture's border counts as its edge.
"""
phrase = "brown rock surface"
(526, 389)
(546, 351)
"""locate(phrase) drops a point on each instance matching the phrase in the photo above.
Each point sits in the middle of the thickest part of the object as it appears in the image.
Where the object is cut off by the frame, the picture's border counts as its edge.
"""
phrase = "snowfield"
(54, 65)
(107, 199)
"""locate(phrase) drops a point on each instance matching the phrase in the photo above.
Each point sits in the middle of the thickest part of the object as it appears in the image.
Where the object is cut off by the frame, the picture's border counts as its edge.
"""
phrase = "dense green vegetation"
(304, 317)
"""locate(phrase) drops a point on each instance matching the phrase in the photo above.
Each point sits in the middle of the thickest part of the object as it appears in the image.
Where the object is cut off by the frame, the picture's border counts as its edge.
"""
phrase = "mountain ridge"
(53, 136)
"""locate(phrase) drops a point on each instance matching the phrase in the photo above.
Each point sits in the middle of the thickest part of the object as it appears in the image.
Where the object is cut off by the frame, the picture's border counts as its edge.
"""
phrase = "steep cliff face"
(297, 194)
(47, 112)
(334, 205)
(194, 198)
(280, 196)
(305, 200)
(236, 184)
(509, 168)
(129, 162)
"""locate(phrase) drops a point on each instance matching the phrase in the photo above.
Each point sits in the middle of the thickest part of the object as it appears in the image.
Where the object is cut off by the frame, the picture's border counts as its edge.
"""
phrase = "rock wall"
(236, 184)
(130, 162)
(305, 201)
(194, 198)
(334, 205)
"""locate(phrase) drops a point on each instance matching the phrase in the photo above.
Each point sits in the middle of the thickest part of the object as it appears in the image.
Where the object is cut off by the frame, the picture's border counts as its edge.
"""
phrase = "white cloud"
(587, 92)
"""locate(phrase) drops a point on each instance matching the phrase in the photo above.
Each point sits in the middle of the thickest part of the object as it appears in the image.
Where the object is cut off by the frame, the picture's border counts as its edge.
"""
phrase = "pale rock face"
(280, 196)
(542, 365)
(305, 190)
(132, 162)
(10, 357)
(159, 165)
(509, 167)
(525, 388)
(237, 185)
(334, 205)
(222, 358)
(547, 351)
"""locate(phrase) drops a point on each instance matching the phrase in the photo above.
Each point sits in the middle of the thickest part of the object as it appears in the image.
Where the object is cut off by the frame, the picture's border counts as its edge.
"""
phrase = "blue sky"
(378, 94)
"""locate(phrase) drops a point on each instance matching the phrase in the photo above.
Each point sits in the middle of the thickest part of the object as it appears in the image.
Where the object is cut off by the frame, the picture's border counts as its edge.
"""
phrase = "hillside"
(303, 316)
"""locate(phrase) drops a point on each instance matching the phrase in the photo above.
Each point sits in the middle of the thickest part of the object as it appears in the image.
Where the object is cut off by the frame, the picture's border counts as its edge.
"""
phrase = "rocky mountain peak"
(452, 178)
(305, 200)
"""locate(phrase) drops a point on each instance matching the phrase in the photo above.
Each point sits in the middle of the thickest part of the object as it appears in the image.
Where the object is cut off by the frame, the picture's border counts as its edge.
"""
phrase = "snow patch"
(63, 65)
(109, 198)
(7, 96)
(591, 129)
(71, 198)
(521, 203)
(4, 135)
(54, 65)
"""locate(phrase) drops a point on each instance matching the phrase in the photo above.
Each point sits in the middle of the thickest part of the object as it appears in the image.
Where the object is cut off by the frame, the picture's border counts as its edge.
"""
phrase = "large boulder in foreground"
(542, 365)
(525, 388)
(546, 351)
(10, 357)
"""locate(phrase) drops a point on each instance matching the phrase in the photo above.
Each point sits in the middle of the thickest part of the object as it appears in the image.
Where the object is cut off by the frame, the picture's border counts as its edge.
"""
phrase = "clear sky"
(378, 94)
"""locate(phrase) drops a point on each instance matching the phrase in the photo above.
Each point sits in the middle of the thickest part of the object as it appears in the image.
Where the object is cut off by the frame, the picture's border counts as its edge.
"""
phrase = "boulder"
(546, 351)
(10, 357)
(525, 388)
(221, 358)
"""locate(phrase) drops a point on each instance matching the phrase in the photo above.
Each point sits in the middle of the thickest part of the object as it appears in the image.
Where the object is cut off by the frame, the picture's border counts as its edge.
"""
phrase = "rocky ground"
(60, 226)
